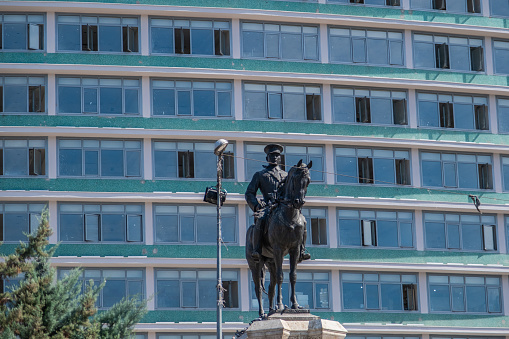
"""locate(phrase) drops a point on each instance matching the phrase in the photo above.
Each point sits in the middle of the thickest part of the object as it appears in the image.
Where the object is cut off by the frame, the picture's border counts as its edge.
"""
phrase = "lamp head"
(220, 146)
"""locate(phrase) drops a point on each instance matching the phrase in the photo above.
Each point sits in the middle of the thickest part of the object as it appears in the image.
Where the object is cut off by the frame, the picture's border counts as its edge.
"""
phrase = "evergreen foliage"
(43, 307)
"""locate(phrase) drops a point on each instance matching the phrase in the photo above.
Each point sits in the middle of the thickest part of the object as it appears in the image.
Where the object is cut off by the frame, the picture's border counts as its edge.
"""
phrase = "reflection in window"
(193, 224)
(453, 111)
(184, 36)
(279, 41)
(499, 8)
(21, 32)
(120, 283)
(456, 170)
(99, 96)
(501, 56)
(255, 159)
(282, 101)
(375, 106)
(99, 158)
(379, 336)
(366, 46)
(22, 158)
(188, 289)
(448, 52)
(369, 228)
(372, 166)
(396, 3)
(94, 223)
(22, 94)
(471, 294)
(452, 6)
(177, 160)
(97, 34)
(465, 232)
(379, 292)
(191, 98)
(17, 219)
(312, 290)
(193, 336)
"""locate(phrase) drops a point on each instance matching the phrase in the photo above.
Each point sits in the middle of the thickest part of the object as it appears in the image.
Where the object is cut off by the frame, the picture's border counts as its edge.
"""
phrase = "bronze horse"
(285, 229)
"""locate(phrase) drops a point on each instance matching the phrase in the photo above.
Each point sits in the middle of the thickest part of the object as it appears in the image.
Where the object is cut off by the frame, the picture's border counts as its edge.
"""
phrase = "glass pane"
(453, 236)
(476, 299)
(340, 49)
(428, 113)
(69, 99)
(15, 36)
(353, 296)
(458, 298)
(15, 99)
(16, 162)
(463, 116)
(343, 109)
(113, 292)
(90, 100)
(168, 293)
(272, 45)
(467, 175)
(111, 100)
(494, 301)
(381, 111)
(431, 173)
(70, 162)
(311, 47)
(165, 164)
(187, 229)
(166, 227)
(163, 101)
(110, 38)
(349, 232)
(69, 37)
(189, 294)
(206, 228)
(291, 46)
(304, 294)
(471, 237)
(396, 51)
(435, 235)
(206, 161)
(184, 102)
(112, 163)
(202, 41)
(406, 235)
(372, 297)
(208, 293)
(377, 51)
(439, 298)
(294, 106)
(255, 105)
(252, 44)
(161, 39)
(346, 168)
(424, 55)
(133, 163)
(134, 228)
(71, 227)
(131, 101)
(459, 57)
(391, 297)
(359, 50)
(384, 171)
(387, 232)
(204, 104)
(113, 227)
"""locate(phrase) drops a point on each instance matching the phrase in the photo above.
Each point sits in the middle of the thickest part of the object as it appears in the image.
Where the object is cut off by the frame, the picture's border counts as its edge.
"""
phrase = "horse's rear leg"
(278, 262)
(272, 286)
(294, 257)
(257, 279)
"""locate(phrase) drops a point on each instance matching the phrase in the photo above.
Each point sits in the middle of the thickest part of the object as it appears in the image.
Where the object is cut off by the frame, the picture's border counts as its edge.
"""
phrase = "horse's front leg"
(294, 257)
(272, 286)
(278, 262)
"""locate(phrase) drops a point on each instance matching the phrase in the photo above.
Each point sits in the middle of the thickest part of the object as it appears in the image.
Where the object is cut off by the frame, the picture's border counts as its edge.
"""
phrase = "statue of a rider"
(268, 180)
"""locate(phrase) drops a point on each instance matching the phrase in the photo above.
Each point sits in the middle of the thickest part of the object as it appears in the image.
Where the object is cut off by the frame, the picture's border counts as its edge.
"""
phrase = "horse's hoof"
(296, 307)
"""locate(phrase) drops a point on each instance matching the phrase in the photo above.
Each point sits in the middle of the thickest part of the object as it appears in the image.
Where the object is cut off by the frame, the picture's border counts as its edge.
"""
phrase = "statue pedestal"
(298, 324)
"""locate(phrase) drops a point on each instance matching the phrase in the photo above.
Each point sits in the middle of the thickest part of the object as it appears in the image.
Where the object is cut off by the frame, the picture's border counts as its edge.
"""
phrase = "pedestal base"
(294, 325)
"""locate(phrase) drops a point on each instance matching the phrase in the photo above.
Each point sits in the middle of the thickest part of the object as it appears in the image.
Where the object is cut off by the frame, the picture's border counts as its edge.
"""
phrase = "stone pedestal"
(298, 324)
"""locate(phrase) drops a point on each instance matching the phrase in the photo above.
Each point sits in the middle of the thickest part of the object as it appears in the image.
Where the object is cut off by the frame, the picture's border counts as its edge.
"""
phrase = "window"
(372, 166)
(472, 294)
(13, 282)
(176, 160)
(22, 94)
(448, 52)
(501, 56)
(369, 228)
(99, 158)
(16, 219)
(97, 34)
(282, 101)
(93, 223)
(99, 96)
(379, 292)
(190, 224)
(465, 337)
(188, 289)
(120, 283)
(356, 105)
(453, 6)
(21, 32)
(465, 232)
(499, 8)
(312, 290)
(453, 111)
(503, 114)
(396, 3)
(379, 336)
(191, 98)
(196, 335)
(188, 36)
(256, 158)
(505, 172)
(366, 46)
(22, 157)
(456, 170)
(279, 41)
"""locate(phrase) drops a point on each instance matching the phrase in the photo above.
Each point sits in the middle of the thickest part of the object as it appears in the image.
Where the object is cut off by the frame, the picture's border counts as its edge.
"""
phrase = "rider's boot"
(257, 248)
(303, 254)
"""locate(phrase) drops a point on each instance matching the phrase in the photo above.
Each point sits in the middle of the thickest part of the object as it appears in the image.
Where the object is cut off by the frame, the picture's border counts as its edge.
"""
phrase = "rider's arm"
(251, 190)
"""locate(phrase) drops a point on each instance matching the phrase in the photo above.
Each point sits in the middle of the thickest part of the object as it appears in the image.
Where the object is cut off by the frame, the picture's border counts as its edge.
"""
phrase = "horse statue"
(285, 229)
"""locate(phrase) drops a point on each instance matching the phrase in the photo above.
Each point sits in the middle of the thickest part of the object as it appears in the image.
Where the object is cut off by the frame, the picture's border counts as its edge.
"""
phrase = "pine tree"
(41, 308)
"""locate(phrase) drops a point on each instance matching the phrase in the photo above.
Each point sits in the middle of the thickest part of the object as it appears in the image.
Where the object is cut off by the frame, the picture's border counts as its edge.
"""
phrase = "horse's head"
(297, 183)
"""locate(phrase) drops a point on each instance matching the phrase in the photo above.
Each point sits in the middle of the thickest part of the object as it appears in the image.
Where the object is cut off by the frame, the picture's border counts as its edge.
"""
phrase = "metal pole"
(219, 237)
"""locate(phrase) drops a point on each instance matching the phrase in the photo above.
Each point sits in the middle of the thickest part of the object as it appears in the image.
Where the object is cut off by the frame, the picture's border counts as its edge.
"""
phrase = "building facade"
(109, 113)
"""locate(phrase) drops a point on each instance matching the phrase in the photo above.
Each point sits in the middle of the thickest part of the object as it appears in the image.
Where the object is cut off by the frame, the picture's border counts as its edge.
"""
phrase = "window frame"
(97, 24)
(347, 2)
(225, 212)
(379, 283)
(42, 31)
(303, 35)
(464, 285)
(460, 223)
(31, 81)
(98, 149)
(180, 279)
(98, 88)
(365, 38)
(495, 15)
(31, 144)
(87, 211)
(431, 9)
(399, 220)
(190, 20)
(178, 149)
(192, 90)
(448, 44)
(32, 209)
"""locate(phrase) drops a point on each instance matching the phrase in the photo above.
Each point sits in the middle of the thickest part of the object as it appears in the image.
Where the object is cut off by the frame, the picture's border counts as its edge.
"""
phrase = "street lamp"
(217, 196)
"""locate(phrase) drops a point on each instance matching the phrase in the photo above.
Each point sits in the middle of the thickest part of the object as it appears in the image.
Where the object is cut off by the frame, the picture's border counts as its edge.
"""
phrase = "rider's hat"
(273, 148)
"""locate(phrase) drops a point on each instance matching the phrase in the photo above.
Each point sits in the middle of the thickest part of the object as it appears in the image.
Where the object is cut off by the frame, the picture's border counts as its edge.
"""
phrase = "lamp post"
(219, 148)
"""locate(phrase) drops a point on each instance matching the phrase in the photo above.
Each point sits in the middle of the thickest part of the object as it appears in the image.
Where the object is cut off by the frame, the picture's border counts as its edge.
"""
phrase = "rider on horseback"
(268, 182)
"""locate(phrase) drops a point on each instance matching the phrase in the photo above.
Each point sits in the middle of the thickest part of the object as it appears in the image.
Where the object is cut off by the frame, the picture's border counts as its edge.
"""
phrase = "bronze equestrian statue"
(280, 227)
